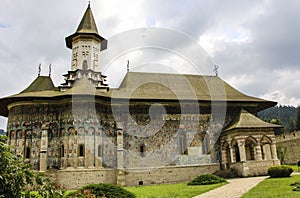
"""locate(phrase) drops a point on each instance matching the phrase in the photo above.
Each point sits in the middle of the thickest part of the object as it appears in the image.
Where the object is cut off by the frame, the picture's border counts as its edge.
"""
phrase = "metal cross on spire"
(40, 65)
(50, 70)
(216, 69)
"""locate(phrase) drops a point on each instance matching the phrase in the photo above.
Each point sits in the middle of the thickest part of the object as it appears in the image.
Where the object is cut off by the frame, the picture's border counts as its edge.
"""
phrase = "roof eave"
(69, 39)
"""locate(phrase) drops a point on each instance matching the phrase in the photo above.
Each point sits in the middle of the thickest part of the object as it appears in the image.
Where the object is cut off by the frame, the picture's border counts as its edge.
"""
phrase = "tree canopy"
(298, 118)
(16, 176)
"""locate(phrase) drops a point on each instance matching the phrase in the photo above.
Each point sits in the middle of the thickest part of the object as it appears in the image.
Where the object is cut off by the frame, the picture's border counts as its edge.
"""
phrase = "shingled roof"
(163, 86)
(41, 83)
(147, 86)
(87, 27)
(247, 120)
(87, 23)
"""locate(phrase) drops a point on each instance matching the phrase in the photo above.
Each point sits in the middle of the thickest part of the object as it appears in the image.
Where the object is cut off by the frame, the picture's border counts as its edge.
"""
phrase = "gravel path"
(234, 189)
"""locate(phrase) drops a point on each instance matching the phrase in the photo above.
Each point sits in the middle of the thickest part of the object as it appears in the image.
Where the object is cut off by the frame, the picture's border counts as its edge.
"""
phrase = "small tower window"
(81, 150)
(84, 65)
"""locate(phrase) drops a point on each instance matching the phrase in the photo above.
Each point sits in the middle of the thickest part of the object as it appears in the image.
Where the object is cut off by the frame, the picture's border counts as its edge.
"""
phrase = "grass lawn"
(275, 187)
(180, 190)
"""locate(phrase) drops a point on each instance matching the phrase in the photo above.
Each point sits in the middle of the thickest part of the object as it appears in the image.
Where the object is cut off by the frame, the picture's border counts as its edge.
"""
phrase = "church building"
(153, 128)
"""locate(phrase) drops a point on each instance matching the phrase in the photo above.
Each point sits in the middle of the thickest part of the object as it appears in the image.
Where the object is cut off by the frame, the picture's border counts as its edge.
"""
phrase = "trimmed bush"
(296, 186)
(101, 190)
(206, 180)
(280, 171)
(228, 173)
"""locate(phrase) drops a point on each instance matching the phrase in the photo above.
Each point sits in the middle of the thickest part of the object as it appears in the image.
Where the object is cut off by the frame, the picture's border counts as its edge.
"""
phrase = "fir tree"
(298, 118)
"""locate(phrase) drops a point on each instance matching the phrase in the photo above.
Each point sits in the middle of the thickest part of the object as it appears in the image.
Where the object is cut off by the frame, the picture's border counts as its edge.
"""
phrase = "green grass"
(180, 190)
(275, 187)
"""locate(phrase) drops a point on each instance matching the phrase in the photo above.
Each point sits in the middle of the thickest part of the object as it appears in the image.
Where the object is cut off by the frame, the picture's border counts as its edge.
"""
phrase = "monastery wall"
(74, 178)
(71, 178)
(171, 174)
(290, 144)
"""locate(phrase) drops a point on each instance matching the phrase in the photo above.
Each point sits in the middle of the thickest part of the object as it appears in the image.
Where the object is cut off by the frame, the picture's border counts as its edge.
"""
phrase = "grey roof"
(87, 27)
(138, 85)
(145, 86)
(87, 23)
(247, 120)
(41, 83)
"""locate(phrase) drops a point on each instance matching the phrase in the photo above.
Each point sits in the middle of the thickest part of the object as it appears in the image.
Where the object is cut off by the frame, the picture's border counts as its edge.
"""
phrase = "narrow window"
(62, 151)
(81, 150)
(84, 65)
(182, 143)
(142, 150)
(27, 152)
(99, 151)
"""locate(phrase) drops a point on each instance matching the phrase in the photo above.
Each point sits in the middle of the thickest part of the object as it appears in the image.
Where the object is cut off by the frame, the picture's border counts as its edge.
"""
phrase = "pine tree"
(298, 118)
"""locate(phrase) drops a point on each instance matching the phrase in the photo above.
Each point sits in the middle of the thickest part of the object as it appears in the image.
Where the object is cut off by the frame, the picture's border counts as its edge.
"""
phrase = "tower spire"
(86, 28)
(86, 44)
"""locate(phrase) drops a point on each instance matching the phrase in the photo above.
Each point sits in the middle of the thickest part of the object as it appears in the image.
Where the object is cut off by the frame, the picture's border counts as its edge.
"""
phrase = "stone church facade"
(151, 129)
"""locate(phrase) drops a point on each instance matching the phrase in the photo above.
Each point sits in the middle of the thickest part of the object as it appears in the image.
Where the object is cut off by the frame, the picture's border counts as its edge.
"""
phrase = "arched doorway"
(266, 148)
(227, 152)
(250, 145)
(235, 148)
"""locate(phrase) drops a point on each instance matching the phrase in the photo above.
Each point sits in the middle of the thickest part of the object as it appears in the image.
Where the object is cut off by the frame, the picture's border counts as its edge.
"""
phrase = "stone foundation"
(74, 178)
(254, 168)
(172, 174)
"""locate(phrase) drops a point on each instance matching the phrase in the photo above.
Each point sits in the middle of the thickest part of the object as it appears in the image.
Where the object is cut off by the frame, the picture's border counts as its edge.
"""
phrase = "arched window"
(266, 148)
(236, 151)
(62, 151)
(250, 148)
(81, 150)
(142, 150)
(84, 65)
(27, 152)
(182, 143)
(227, 152)
(99, 151)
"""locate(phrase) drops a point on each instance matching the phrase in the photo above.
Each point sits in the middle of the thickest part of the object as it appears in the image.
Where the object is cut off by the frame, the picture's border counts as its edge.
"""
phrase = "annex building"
(151, 129)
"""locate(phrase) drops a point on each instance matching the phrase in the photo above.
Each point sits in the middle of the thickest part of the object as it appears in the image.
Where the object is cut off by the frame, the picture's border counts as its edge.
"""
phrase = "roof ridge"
(137, 72)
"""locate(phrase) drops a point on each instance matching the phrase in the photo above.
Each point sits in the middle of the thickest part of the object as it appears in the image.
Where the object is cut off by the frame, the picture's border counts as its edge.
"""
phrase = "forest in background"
(284, 115)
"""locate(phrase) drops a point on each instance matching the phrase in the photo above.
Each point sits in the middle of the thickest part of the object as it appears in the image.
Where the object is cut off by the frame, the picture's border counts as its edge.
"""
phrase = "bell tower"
(86, 44)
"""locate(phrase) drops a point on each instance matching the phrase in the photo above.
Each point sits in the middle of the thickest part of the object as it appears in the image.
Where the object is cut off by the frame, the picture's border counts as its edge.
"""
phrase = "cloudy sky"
(256, 44)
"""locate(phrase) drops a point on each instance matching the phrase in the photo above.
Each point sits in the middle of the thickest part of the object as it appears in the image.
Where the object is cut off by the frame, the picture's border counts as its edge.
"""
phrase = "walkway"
(234, 189)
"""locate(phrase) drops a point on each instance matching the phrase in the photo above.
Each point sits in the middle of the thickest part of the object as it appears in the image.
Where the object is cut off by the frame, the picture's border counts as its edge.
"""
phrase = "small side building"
(248, 144)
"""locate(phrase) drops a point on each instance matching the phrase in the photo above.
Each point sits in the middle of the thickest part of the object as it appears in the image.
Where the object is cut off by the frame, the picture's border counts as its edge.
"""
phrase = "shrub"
(280, 171)
(228, 173)
(101, 190)
(16, 176)
(296, 186)
(206, 180)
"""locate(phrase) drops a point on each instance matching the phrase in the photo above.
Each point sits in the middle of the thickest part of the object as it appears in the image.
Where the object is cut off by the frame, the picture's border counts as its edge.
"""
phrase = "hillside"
(287, 115)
